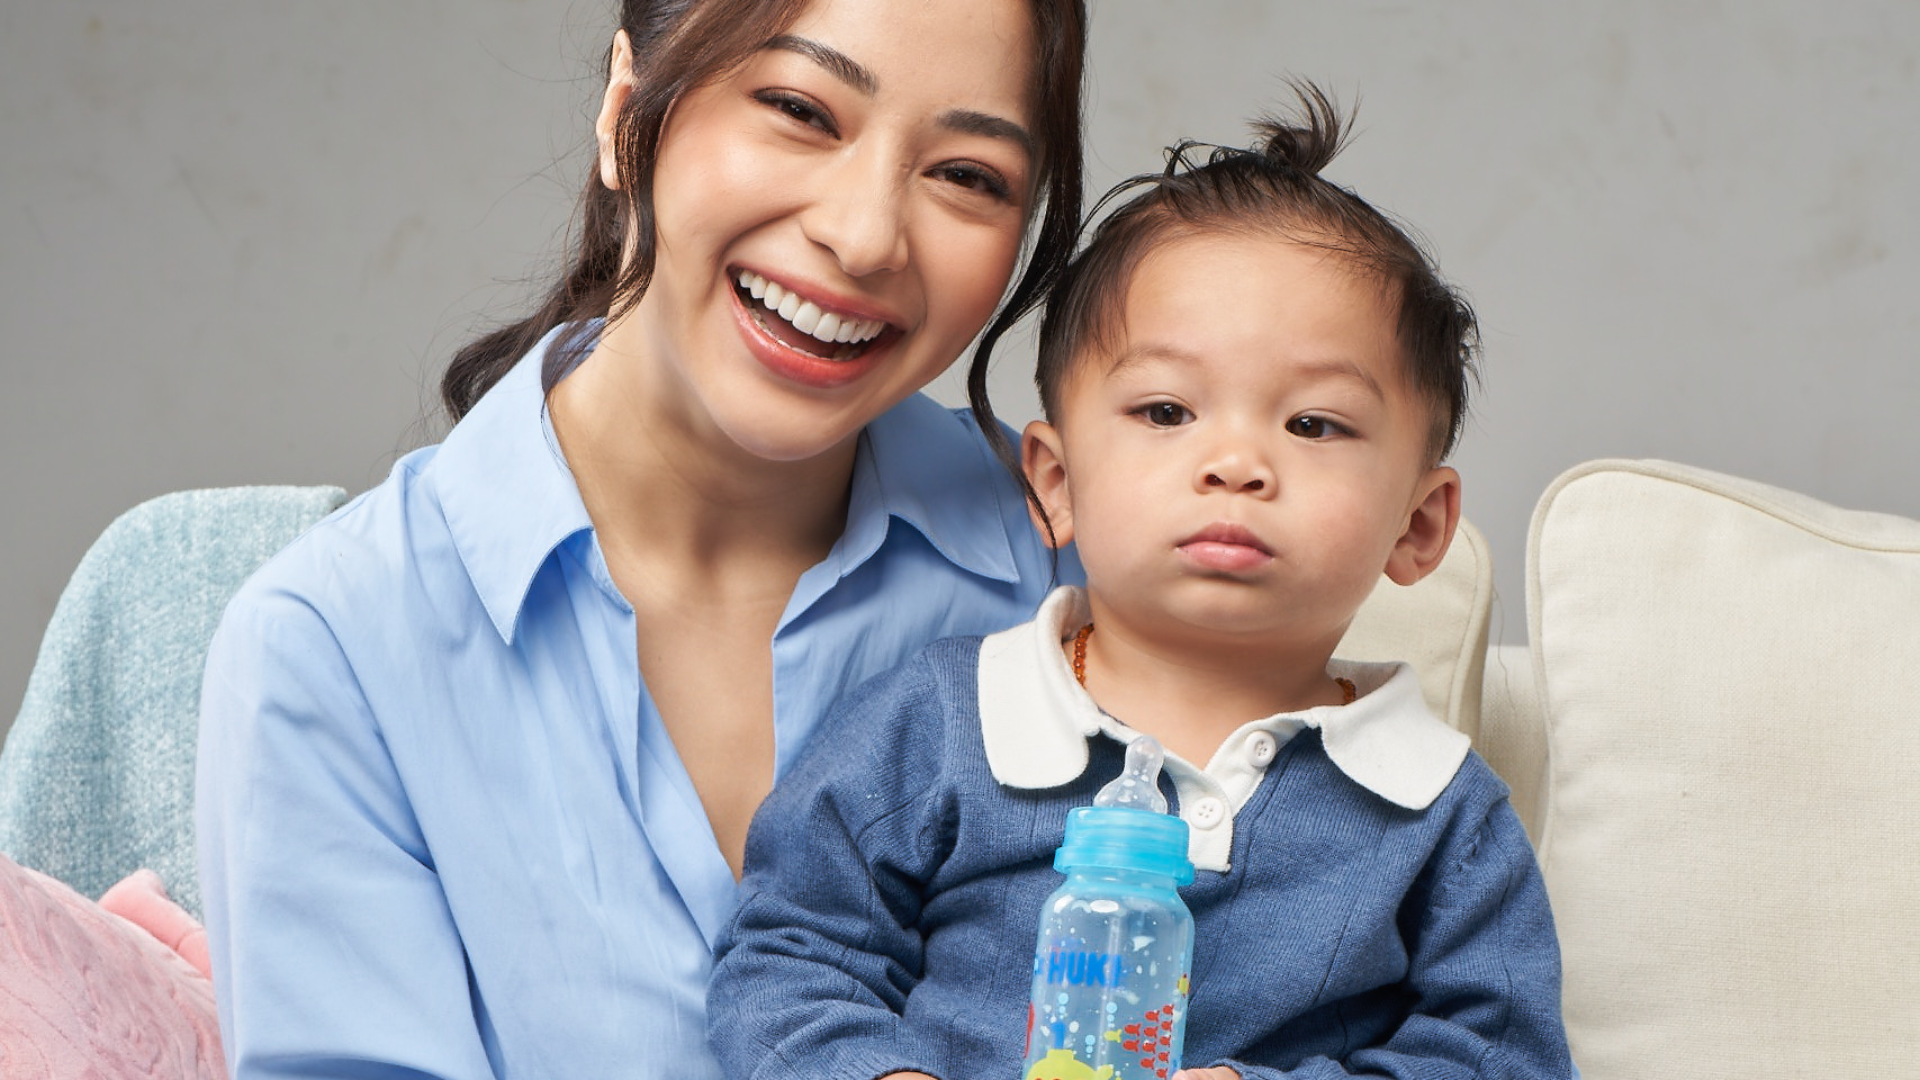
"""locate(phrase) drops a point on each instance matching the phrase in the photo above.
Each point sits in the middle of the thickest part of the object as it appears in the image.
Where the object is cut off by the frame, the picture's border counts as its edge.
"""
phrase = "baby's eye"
(1314, 427)
(1165, 414)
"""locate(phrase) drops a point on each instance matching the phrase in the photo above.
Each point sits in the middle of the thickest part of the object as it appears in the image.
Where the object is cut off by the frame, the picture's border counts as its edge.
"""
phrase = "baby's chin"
(1223, 613)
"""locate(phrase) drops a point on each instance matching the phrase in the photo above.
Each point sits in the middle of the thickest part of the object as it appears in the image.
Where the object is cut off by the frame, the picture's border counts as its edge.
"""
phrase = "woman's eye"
(1166, 414)
(974, 178)
(1314, 427)
(797, 108)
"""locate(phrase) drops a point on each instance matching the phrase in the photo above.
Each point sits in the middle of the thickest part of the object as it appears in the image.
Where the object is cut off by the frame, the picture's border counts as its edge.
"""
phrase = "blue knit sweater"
(888, 915)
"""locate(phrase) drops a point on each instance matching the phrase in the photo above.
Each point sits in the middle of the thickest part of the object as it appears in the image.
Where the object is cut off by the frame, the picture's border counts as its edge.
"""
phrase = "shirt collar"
(510, 498)
(911, 461)
(1036, 719)
(505, 488)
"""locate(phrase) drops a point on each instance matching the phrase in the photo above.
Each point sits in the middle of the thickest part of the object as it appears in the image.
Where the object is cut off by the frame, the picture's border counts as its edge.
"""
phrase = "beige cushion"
(1513, 734)
(1439, 625)
(1732, 825)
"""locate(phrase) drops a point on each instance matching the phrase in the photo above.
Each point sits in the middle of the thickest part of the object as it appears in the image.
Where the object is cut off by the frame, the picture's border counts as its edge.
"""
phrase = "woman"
(479, 752)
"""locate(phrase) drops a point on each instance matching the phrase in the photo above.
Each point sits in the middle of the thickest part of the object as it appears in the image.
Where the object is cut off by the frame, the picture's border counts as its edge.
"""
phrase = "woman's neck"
(669, 492)
(706, 541)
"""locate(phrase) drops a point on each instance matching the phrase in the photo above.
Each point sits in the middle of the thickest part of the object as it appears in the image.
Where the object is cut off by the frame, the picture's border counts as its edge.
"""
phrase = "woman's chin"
(792, 439)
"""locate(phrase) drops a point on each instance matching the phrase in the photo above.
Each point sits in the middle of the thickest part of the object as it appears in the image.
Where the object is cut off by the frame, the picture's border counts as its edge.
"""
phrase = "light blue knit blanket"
(96, 777)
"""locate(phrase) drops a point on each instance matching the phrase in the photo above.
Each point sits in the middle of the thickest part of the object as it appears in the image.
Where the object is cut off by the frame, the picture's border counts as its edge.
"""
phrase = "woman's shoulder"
(358, 556)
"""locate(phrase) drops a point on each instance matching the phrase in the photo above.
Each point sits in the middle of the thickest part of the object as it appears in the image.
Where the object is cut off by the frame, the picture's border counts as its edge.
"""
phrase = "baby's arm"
(1483, 971)
(812, 976)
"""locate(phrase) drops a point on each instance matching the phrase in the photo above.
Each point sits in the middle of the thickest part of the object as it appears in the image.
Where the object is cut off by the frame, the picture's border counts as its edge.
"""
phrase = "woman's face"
(837, 218)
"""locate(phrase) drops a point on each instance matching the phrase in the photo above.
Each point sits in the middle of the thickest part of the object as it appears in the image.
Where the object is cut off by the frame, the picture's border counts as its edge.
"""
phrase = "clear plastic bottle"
(1110, 970)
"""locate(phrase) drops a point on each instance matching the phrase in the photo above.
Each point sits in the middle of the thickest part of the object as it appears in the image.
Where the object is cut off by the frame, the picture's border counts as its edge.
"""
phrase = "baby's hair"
(1274, 186)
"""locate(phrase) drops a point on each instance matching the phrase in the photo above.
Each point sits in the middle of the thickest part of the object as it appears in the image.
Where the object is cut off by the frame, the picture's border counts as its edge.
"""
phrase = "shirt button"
(1261, 748)
(1208, 812)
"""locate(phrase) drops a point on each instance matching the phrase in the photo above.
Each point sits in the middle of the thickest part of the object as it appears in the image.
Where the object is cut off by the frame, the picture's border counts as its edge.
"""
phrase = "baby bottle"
(1116, 941)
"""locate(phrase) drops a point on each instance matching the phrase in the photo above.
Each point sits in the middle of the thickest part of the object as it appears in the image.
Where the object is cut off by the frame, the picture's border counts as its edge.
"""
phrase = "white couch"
(1711, 736)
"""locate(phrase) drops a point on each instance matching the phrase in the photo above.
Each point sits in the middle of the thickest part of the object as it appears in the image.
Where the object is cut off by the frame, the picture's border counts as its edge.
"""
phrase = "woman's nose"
(860, 213)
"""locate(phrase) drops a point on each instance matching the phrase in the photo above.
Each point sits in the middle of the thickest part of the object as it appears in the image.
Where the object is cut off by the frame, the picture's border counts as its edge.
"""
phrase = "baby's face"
(1249, 458)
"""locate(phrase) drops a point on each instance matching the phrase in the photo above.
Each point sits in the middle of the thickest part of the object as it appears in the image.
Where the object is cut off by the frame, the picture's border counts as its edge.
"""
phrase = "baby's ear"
(1430, 525)
(1045, 464)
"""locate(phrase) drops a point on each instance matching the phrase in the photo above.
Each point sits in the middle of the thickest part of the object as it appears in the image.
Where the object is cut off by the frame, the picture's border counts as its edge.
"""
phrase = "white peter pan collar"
(1036, 720)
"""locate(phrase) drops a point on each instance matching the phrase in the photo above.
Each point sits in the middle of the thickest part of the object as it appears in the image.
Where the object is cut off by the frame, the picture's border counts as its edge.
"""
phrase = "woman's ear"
(1046, 468)
(1430, 525)
(606, 126)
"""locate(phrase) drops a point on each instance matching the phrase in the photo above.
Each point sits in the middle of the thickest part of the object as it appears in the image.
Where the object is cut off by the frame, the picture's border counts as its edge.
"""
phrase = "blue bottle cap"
(1123, 838)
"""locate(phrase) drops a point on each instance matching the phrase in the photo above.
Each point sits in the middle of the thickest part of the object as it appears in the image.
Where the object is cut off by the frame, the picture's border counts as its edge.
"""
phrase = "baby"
(1250, 378)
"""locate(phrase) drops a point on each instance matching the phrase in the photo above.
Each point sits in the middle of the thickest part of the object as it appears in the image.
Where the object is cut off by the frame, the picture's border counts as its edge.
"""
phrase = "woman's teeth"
(806, 316)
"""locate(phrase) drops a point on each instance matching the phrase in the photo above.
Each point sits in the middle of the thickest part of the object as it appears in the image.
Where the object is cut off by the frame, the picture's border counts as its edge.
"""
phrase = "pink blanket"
(114, 990)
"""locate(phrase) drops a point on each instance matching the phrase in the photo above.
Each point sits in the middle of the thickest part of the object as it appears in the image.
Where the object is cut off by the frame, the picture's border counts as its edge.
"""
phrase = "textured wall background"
(237, 242)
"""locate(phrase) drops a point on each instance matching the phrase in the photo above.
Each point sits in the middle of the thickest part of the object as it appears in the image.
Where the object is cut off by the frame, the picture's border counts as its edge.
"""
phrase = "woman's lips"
(802, 366)
(807, 323)
(1226, 547)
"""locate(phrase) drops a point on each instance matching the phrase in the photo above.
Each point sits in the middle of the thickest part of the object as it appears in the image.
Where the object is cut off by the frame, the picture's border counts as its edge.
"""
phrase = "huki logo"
(1081, 967)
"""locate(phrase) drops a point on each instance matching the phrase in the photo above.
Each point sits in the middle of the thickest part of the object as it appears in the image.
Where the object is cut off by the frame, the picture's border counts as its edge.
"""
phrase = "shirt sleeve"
(813, 974)
(334, 952)
(1483, 975)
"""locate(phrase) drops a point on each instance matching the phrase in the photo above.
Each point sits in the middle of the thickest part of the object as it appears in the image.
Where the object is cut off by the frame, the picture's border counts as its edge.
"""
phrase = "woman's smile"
(813, 326)
(789, 334)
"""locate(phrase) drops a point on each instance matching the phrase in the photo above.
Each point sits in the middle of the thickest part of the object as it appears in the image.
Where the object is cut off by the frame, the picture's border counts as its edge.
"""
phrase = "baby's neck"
(1192, 700)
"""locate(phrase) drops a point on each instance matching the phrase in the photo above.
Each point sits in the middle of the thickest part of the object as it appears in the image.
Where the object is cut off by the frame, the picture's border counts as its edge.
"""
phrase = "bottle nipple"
(1138, 786)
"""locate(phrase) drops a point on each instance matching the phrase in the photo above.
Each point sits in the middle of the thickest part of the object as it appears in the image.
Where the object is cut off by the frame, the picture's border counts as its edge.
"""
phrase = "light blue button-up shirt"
(443, 831)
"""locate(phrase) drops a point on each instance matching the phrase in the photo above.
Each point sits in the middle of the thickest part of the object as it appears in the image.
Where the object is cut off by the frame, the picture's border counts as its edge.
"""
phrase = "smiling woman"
(479, 752)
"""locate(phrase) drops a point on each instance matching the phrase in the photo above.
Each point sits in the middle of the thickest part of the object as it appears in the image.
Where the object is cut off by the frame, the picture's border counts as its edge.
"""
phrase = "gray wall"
(237, 241)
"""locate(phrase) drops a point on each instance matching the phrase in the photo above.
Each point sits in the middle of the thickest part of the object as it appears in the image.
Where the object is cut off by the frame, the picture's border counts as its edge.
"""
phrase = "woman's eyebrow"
(838, 64)
(850, 71)
(968, 122)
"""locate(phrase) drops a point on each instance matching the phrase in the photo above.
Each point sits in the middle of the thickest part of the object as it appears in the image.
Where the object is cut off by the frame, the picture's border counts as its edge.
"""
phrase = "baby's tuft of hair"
(1309, 144)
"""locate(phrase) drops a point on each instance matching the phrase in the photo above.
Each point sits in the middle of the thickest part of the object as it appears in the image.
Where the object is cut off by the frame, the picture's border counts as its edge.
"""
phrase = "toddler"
(1250, 378)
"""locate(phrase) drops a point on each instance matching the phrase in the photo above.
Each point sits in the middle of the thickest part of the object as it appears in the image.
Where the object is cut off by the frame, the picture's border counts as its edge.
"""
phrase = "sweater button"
(1208, 812)
(1261, 748)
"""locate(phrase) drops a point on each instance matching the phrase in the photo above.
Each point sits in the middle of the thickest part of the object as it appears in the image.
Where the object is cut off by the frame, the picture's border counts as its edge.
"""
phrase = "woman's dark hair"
(680, 44)
(1275, 186)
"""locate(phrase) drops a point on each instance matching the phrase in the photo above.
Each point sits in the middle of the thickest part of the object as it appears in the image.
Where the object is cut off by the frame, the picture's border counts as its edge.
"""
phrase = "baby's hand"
(1218, 1072)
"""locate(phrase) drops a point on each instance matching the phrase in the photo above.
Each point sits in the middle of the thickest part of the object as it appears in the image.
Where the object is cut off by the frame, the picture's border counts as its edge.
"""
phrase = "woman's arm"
(334, 953)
